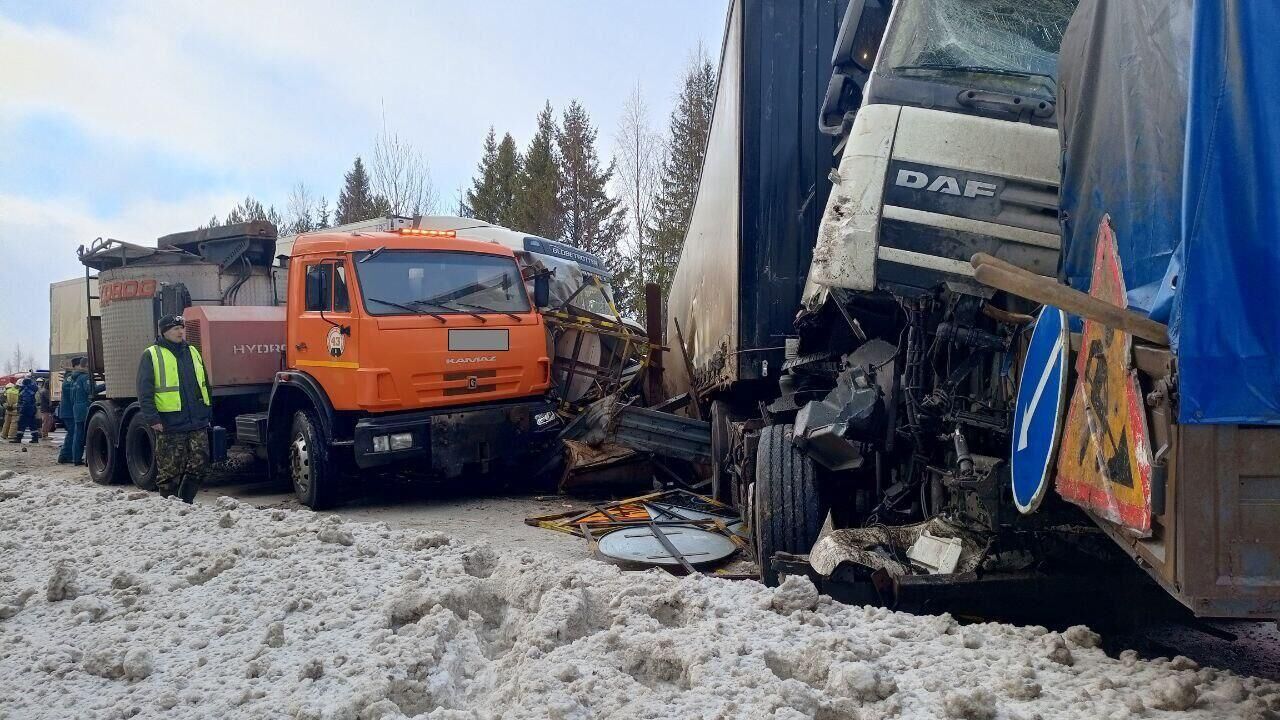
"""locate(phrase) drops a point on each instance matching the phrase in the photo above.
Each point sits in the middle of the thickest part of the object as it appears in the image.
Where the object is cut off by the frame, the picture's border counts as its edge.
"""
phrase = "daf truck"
(859, 154)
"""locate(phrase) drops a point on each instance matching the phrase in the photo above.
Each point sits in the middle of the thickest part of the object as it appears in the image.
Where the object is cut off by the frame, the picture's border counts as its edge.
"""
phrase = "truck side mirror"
(542, 290)
(857, 44)
(861, 31)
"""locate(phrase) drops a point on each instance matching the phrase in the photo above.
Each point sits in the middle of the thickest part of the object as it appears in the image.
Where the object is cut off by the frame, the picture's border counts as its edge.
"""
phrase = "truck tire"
(721, 487)
(140, 453)
(310, 468)
(101, 454)
(786, 510)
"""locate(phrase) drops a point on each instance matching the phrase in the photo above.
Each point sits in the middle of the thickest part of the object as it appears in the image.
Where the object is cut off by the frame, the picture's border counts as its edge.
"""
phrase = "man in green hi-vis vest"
(173, 391)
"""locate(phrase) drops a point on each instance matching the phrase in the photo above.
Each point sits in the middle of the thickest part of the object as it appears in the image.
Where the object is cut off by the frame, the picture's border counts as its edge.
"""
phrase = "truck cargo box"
(70, 310)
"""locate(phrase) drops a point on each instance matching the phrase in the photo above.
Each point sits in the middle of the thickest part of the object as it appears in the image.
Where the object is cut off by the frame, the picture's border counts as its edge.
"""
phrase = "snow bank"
(118, 604)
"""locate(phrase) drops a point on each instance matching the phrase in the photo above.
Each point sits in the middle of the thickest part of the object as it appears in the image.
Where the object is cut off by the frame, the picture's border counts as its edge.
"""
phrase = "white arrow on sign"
(1055, 354)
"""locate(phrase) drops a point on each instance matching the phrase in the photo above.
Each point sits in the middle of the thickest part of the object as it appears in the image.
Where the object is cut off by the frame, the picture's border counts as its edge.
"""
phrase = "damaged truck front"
(899, 205)
(860, 154)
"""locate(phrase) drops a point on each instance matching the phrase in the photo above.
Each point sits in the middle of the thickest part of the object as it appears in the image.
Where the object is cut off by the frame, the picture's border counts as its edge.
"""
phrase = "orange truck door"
(325, 346)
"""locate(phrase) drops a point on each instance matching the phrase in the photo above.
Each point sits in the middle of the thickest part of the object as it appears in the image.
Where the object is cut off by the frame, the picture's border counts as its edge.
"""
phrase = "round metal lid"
(639, 546)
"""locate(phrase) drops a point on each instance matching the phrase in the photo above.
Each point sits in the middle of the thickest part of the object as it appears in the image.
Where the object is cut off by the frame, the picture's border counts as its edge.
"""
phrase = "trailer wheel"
(106, 467)
(786, 510)
(140, 453)
(309, 464)
(721, 480)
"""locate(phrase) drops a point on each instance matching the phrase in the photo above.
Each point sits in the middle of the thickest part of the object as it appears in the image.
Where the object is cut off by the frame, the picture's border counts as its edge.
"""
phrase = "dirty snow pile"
(116, 603)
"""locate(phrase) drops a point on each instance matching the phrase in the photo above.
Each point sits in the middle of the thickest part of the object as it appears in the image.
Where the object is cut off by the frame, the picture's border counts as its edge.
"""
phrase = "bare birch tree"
(402, 175)
(301, 210)
(639, 156)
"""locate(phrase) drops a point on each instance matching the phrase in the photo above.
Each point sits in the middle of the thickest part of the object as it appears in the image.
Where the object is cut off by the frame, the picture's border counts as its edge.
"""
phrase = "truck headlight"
(402, 441)
(381, 443)
(544, 418)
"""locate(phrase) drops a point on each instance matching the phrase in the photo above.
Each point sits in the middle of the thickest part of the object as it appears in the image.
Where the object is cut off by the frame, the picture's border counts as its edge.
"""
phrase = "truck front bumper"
(458, 440)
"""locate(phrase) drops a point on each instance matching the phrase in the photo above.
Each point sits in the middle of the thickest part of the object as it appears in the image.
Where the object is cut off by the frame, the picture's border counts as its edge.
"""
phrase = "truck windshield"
(398, 282)
(1001, 45)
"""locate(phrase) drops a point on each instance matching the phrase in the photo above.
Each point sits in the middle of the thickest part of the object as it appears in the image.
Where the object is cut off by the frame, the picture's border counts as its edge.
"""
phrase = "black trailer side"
(765, 184)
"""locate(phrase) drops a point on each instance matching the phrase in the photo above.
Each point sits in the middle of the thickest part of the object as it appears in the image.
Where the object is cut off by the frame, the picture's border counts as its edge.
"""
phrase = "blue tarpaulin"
(1170, 124)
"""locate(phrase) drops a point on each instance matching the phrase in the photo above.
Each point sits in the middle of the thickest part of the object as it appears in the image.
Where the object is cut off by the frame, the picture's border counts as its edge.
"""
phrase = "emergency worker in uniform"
(46, 409)
(81, 391)
(10, 411)
(66, 413)
(173, 391)
(27, 412)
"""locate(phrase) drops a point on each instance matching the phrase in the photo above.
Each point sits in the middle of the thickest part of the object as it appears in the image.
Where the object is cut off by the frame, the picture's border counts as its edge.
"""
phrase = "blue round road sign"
(1037, 416)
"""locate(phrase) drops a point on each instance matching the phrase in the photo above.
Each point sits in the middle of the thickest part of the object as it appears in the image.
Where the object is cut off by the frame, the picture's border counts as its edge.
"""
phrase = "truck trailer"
(70, 304)
(415, 348)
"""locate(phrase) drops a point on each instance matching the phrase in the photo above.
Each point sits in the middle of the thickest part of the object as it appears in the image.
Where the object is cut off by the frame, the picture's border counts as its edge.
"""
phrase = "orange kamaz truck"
(361, 350)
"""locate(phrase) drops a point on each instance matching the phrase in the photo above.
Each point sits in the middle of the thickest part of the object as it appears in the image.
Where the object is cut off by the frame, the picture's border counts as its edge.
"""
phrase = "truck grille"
(467, 389)
(458, 382)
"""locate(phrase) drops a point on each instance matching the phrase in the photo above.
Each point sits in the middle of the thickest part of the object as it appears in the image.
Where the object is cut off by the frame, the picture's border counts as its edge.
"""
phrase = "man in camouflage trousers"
(174, 394)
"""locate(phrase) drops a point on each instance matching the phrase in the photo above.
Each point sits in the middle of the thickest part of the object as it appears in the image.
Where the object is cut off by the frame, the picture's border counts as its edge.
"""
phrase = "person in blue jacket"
(77, 391)
(66, 413)
(27, 412)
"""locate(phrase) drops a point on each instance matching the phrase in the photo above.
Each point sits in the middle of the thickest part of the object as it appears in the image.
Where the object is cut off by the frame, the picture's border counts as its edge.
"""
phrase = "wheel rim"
(300, 465)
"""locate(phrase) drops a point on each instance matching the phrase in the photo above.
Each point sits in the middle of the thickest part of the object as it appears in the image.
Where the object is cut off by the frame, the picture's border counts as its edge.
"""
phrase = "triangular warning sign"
(1104, 461)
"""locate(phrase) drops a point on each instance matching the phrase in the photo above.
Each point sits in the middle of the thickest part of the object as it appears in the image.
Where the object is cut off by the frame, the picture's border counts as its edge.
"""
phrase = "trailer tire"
(310, 468)
(140, 453)
(786, 508)
(101, 454)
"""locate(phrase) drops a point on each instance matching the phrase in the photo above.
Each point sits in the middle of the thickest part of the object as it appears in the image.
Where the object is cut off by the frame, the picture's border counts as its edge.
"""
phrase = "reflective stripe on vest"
(164, 366)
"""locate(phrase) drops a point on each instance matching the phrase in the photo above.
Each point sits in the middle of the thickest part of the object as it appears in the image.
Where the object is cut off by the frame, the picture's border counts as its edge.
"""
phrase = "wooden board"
(1104, 461)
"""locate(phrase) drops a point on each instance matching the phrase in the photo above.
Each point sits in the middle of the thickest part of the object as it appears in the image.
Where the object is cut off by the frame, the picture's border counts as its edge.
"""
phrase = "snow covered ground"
(116, 603)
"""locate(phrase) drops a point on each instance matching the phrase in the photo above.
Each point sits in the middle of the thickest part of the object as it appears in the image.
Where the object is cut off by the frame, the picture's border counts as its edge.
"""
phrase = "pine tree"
(250, 210)
(508, 181)
(322, 214)
(478, 201)
(493, 191)
(537, 206)
(356, 201)
(682, 169)
(592, 221)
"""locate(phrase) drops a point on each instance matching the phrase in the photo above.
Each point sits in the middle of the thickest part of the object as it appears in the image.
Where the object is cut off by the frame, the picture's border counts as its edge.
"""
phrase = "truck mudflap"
(459, 440)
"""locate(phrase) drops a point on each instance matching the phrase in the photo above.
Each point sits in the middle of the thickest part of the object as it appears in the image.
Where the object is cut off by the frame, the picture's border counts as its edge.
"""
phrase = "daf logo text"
(945, 184)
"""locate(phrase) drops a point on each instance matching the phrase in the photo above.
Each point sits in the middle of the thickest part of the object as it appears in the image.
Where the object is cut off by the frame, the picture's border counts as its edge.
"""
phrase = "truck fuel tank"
(241, 345)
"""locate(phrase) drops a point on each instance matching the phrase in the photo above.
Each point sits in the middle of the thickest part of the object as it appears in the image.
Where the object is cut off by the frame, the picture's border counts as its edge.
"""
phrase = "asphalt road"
(469, 510)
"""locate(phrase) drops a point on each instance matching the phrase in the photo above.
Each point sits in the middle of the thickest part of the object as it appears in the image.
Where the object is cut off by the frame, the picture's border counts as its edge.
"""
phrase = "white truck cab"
(950, 144)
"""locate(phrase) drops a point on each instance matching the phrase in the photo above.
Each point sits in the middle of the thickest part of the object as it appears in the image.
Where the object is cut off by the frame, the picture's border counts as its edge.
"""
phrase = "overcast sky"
(137, 119)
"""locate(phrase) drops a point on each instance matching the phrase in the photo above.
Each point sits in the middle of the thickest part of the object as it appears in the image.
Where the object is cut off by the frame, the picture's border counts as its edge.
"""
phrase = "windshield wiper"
(414, 310)
(980, 69)
(508, 313)
(373, 253)
(475, 315)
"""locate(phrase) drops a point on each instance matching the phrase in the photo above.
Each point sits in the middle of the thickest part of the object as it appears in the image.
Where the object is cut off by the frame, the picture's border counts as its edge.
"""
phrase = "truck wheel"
(309, 465)
(140, 453)
(786, 513)
(721, 480)
(106, 467)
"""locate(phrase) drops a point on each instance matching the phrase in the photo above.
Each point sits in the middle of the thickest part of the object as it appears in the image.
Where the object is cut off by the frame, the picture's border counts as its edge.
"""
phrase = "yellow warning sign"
(1104, 461)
